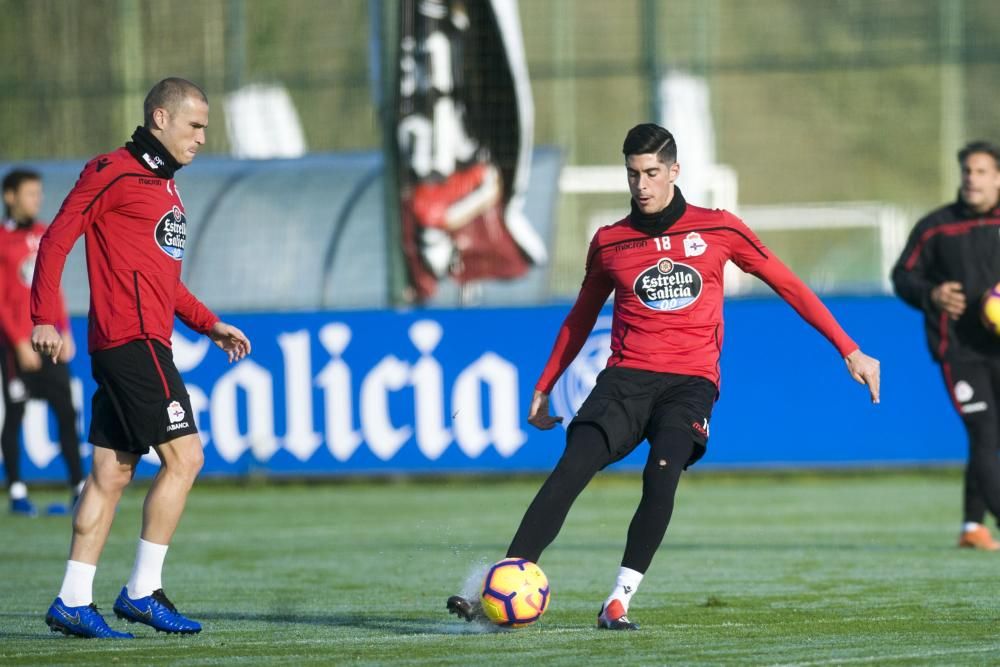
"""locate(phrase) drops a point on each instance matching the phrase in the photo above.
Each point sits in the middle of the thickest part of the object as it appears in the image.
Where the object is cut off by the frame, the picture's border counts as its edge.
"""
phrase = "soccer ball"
(990, 312)
(515, 593)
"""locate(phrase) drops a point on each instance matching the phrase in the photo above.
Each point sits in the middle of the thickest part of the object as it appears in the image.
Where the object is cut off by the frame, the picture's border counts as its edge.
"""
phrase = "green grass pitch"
(773, 569)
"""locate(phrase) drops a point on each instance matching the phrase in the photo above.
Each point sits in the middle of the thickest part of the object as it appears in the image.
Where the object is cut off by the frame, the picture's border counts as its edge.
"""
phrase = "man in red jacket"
(26, 374)
(127, 206)
(664, 263)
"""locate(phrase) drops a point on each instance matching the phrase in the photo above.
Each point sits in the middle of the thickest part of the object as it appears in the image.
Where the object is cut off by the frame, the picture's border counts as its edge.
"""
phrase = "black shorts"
(140, 399)
(631, 405)
(48, 383)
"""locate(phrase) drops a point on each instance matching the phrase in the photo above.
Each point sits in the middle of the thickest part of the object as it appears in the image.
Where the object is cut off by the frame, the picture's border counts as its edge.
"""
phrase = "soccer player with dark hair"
(26, 374)
(664, 262)
(948, 265)
(127, 206)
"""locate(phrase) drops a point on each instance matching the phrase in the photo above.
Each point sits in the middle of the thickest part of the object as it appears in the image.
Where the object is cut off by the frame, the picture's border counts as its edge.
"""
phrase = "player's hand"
(950, 298)
(27, 359)
(46, 341)
(68, 350)
(231, 340)
(538, 414)
(866, 370)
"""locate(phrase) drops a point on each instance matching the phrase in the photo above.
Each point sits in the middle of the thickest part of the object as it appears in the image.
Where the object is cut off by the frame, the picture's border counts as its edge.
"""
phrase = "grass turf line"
(756, 569)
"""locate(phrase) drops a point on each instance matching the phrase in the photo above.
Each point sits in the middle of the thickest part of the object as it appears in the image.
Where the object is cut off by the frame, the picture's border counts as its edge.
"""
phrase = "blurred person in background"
(127, 205)
(950, 261)
(26, 374)
(664, 263)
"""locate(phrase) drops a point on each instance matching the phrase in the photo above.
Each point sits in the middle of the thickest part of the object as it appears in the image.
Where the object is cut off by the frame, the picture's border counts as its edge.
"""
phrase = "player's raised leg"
(586, 453)
(142, 600)
(73, 612)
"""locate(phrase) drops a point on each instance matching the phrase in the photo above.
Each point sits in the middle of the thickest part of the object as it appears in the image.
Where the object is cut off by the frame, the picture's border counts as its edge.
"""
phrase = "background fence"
(809, 100)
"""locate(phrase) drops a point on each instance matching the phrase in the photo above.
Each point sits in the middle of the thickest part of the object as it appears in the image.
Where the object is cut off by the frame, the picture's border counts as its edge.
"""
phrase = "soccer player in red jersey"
(664, 262)
(950, 262)
(127, 206)
(25, 373)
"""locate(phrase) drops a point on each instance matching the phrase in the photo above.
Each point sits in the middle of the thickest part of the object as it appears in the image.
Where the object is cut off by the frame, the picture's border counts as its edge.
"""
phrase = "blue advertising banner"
(430, 391)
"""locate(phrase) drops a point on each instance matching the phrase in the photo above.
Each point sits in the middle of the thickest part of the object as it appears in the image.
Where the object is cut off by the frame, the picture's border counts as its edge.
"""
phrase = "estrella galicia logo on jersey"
(171, 233)
(668, 285)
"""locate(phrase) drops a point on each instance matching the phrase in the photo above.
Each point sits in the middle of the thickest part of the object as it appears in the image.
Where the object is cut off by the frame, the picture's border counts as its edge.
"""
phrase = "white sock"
(78, 584)
(969, 525)
(625, 587)
(148, 570)
(18, 491)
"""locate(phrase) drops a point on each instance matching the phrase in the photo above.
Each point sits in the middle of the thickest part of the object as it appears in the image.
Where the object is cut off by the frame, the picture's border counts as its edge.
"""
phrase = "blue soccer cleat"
(85, 621)
(23, 507)
(156, 611)
(56, 509)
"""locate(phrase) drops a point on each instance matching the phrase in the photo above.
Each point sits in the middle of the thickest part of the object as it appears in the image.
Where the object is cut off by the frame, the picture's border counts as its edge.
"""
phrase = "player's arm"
(92, 195)
(751, 256)
(790, 287)
(912, 281)
(597, 285)
(197, 315)
(15, 326)
(68, 349)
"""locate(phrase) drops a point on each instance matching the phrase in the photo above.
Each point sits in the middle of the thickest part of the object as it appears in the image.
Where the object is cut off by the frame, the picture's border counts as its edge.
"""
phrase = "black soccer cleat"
(470, 611)
(614, 618)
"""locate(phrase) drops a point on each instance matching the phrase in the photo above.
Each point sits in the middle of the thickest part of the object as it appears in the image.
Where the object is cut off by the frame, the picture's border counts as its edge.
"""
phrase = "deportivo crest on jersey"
(963, 391)
(26, 270)
(171, 233)
(694, 245)
(668, 285)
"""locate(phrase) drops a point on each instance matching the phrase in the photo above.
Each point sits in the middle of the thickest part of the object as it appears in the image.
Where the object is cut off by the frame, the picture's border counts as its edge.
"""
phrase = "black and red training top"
(952, 243)
(135, 227)
(18, 252)
(668, 295)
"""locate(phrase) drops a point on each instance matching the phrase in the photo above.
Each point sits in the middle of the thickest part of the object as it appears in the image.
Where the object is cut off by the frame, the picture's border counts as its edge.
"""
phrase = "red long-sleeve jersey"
(668, 295)
(135, 229)
(18, 251)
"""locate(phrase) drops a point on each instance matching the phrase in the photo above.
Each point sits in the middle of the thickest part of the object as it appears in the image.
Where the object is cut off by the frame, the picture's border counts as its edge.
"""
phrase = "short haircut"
(650, 138)
(986, 147)
(13, 180)
(169, 94)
